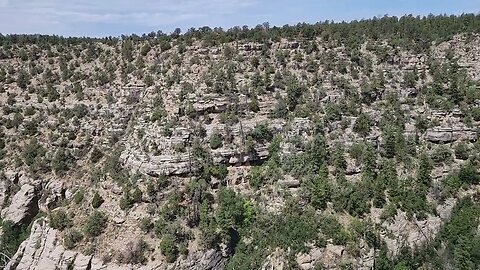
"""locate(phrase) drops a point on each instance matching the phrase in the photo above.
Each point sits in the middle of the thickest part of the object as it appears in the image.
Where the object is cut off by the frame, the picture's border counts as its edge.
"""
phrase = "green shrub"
(256, 178)
(462, 151)
(79, 195)
(180, 147)
(126, 202)
(61, 161)
(32, 151)
(220, 172)
(97, 200)
(317, 190)
(146, 224)
(129, 198)
(11, 238)
(261, 133)
(356, 151)
(96, 155)
(362, 125)
(60, 220)
(468, 174)
(95, 223)
(169, 248)
(216, 141)
(71, 238)
(136, 195)
(442, 154)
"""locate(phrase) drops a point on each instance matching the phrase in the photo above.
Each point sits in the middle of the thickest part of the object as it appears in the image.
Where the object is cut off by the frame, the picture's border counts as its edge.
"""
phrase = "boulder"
(305, 261)
(290, 183)
(23, 206)
(275, 261)
(82, 262)
(352, 168)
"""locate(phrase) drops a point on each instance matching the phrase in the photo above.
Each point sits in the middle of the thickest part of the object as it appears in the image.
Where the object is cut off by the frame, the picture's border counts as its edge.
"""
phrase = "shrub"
(146, 224)
(137, 195)
(126, 202)
(169, 248)
(180, 147)
(96, 155)
(97, 200)
(256, 178)
(468, 174)
(95, 223)
(441, 154)
(362, 125)
(220, 172)
(32, 151)
(129, 198)
(261, 133)
(317, 191)
(462, 151)
(71, 238)
(78, 197)
(60, 220)
(12, 236)
(61, 161)
(215, 141)
(356, 151)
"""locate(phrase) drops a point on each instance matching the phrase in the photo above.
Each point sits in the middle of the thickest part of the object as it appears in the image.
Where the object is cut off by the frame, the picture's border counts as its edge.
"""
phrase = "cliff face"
(44, 250)
(121, 154)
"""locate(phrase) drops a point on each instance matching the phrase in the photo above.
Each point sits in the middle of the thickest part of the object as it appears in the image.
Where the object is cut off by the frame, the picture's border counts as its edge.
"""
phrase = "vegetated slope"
(350, 145)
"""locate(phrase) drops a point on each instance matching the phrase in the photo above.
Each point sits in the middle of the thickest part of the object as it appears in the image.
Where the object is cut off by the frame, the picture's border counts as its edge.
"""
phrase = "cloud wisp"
(65, 17)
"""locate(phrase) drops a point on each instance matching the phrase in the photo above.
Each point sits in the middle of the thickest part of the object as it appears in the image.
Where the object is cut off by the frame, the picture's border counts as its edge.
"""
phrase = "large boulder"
(23, 206)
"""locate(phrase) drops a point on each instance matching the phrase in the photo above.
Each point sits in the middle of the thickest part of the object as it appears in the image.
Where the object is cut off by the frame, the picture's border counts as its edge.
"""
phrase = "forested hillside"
(316, 146)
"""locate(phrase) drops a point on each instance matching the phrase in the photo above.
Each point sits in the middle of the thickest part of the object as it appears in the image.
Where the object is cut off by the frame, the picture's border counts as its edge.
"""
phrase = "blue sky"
(115, 17)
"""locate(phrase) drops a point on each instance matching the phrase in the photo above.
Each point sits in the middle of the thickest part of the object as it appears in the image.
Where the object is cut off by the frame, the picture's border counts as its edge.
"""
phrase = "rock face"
(23, 206)
(413, 233)
(275, 261)
(55, 193)
(43, 251)
(209, 260)
(157, 165)
(450, 134)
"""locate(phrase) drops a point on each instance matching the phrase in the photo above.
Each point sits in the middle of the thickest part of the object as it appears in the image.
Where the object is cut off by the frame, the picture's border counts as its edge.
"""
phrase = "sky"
(99, 18)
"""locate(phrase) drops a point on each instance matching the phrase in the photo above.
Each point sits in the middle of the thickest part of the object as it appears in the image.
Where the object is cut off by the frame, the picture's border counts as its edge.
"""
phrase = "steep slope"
(328, 145)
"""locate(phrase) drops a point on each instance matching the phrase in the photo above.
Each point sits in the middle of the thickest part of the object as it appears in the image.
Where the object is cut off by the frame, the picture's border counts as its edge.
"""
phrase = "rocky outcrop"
(158, 165)
(182, 164)
(208, 260)
(217, 105)
(53, 192)
(403, 232)
(231, 157)
(450, 134)
(276, 261)
(308, 261)
(23, 206)
(252, 47)
(43, 251)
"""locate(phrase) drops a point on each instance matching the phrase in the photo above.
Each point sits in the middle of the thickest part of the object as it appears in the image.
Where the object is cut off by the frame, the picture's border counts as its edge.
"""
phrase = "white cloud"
(48, 16)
